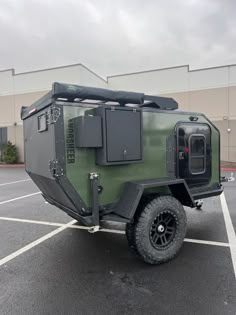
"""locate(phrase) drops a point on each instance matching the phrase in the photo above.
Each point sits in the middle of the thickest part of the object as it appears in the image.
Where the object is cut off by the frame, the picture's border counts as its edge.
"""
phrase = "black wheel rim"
(163, 229)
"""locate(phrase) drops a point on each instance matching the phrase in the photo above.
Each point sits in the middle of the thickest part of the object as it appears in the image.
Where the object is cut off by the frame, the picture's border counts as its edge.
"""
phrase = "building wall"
(215, 104)
(17, 90)
(211, 91)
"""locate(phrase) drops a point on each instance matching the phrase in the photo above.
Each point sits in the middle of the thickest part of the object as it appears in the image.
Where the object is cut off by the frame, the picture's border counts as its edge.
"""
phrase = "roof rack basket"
(78, 93)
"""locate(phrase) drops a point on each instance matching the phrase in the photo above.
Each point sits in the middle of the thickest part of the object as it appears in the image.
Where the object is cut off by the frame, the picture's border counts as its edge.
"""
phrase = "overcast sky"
(116, 36)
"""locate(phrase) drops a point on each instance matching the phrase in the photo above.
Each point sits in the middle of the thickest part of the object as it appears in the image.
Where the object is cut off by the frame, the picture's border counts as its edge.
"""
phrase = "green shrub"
(9, 155)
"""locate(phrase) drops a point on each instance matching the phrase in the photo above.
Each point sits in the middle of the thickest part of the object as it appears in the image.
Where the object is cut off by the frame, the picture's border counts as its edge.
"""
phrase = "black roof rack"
(71, 93)
(167, 103)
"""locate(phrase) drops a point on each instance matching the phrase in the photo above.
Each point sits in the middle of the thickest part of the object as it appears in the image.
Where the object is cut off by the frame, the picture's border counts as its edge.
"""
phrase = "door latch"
(55, 169)
(181, 155)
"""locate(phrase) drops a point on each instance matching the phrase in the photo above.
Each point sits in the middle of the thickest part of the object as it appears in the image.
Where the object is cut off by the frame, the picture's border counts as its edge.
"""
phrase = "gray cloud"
(118, 36)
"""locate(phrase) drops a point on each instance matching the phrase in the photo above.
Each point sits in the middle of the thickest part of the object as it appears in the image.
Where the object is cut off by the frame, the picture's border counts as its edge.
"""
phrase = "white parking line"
(18, 181)
(81, 227)
(190, 240)
(30, 221)
(230, 230)
(35, 243)
(18, 198)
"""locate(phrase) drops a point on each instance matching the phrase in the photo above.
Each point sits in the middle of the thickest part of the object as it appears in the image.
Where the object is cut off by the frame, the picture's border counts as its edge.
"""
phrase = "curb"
(228, 169)
(12, 165)
(23, 165)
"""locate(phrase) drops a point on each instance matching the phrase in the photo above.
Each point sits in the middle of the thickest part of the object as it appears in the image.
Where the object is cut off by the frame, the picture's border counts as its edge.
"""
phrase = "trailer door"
(194, 153)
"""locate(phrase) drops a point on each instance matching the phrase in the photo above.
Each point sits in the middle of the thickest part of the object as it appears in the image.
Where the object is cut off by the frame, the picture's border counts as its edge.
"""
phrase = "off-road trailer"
(103, 155)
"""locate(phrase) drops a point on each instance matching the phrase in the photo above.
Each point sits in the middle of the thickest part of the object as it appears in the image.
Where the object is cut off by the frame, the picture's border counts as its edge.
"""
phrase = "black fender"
(133, 191)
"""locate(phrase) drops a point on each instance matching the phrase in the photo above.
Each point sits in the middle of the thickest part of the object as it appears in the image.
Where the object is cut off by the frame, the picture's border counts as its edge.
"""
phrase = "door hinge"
(53, 113)
(55, 168)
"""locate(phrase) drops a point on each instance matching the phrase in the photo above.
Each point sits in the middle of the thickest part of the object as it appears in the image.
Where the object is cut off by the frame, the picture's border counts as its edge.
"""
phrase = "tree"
(9, 155)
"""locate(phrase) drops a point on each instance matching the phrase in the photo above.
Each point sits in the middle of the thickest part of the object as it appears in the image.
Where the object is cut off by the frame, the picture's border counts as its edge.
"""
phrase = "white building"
(211, 91)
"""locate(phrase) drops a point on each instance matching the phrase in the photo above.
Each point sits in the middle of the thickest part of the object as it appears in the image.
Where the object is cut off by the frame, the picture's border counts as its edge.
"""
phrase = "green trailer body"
(158, 127)
(97, 154)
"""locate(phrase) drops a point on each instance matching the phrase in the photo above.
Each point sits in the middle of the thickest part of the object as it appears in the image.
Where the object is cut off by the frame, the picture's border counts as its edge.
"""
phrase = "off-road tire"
(130, 235)
(130, 227)
(139, 232)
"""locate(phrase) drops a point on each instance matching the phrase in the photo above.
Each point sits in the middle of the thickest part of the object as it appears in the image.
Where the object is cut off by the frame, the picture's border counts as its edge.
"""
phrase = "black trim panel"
(211, 193)
(86, 220)
(133, 191)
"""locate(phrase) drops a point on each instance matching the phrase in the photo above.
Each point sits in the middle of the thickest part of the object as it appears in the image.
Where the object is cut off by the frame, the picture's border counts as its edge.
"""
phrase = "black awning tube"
(71, 92)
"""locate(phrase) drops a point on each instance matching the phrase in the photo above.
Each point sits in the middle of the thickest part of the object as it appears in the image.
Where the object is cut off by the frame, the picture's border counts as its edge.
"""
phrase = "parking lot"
(51, 265)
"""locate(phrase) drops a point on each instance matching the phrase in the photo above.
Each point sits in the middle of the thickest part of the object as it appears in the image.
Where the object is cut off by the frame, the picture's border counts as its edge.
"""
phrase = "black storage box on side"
(122, 136)
(88, 131)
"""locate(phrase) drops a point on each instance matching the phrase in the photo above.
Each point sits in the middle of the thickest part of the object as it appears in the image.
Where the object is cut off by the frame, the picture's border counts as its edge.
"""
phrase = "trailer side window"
(197, 154)
(42, 122)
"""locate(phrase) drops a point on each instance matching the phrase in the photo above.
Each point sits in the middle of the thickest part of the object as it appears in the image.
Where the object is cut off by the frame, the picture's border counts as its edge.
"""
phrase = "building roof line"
(5, 70)
(47, 69)
(105, 80)
(215, 67)
(117, 75)
(169, 68)
(53, 68)
(145, 71)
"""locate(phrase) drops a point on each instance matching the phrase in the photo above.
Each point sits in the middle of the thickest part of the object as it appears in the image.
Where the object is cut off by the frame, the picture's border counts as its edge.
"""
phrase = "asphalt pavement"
(49, 267)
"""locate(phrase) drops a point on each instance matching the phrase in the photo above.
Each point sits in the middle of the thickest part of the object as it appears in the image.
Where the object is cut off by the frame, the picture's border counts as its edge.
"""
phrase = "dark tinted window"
(3, 139)
(197, 145)
(197, 154)
(197, 165)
